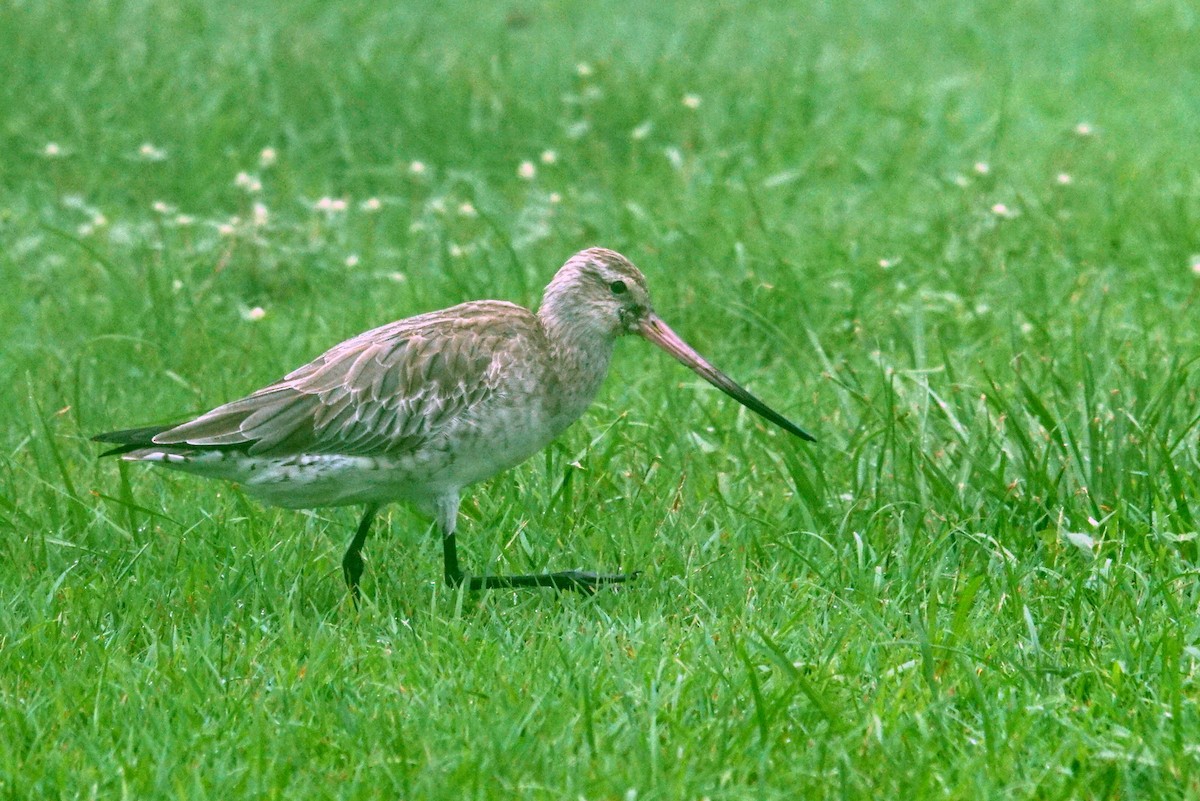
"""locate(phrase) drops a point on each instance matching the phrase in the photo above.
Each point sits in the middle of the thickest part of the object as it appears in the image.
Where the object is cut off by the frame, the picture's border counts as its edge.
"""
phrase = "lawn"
(960, 243)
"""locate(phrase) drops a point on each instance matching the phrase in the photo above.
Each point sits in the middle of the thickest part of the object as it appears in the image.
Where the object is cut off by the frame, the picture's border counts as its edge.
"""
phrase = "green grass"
(980, 584)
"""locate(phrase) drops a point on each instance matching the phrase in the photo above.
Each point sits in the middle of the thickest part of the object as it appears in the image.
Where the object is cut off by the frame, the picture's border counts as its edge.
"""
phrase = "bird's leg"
(578, 580)
(352, 563)
(454, 576)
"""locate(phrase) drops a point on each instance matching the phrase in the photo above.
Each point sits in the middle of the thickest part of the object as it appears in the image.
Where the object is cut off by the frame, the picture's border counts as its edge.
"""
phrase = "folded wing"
(385, 392)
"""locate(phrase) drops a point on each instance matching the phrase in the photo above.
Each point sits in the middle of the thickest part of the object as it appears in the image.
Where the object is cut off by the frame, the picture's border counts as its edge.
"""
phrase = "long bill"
(658, 332)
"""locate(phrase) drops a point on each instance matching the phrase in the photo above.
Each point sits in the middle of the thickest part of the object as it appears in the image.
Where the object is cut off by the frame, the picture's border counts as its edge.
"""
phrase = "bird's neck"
(580, 353)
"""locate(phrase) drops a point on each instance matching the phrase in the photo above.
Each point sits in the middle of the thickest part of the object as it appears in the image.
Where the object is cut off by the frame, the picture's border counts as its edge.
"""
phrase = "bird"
(419, 409)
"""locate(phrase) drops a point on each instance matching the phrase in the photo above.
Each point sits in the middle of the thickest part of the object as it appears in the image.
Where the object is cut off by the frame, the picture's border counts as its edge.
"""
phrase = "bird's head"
(598, 295)
(598, 291)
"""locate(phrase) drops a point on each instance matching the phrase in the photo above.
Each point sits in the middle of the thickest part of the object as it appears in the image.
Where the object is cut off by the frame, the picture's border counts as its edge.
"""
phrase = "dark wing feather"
(129, 439)
(384, 392)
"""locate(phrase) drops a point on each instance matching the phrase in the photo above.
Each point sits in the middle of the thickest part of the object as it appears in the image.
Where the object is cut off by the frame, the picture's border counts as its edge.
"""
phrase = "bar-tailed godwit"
(418, 409)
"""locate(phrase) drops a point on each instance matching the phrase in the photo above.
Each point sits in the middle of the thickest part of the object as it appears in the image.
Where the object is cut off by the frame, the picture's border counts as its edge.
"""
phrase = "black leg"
(454, 576)
(352, 563)
(578, 580)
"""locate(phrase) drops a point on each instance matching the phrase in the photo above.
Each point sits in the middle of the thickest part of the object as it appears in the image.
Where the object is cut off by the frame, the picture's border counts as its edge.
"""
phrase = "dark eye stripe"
(618, 287)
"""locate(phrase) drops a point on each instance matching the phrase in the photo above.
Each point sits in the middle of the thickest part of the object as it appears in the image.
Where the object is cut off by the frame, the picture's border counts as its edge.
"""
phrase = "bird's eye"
(618, 287)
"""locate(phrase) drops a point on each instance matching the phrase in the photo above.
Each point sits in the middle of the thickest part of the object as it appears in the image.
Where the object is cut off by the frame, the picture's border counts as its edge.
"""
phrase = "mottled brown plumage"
(386, 391)
(418, 409)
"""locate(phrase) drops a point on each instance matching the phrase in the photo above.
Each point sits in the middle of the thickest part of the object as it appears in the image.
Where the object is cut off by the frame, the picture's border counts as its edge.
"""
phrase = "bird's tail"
(130, 439)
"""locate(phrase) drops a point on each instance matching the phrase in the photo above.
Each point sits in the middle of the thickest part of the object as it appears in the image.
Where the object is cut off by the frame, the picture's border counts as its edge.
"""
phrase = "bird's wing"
(384, 392)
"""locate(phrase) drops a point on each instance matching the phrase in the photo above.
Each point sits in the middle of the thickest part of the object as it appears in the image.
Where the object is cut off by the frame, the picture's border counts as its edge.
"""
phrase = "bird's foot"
(586, 582)
(581, 581)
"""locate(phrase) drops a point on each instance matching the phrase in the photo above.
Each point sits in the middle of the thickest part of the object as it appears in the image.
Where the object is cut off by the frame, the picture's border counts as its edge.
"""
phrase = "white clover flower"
(352, 260)
(331, 205)
(888, 264)
(982, 168)
(52, 150)
(691, 100)
(371, 204)
(255, 314)
(261, 215)
(184, 220)
(1084, 129)
(150, 152)
(1195, 263)
(584, 69)
(267, 157)
(526, 170)
(642, 131)
(162, 207)
(417, 168)
(549, 157)
(1064, 179)
(466, 209)
(1001, 210)
(555, 197)
(248, 182)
